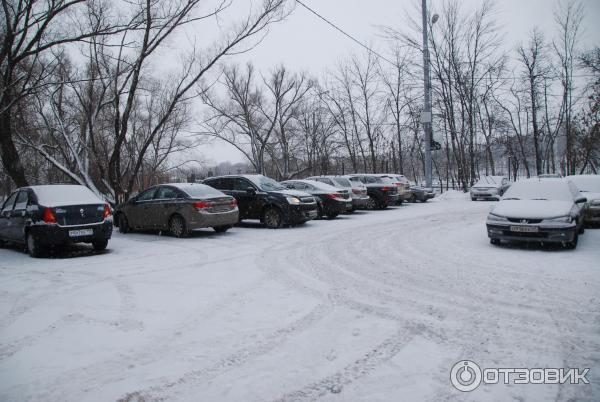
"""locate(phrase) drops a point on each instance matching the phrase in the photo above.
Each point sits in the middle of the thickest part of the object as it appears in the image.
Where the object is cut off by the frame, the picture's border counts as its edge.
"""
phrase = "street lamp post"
(426, 116)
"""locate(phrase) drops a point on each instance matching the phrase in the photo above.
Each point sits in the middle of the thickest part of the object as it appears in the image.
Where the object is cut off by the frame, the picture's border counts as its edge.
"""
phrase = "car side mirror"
(581, 200)
(251, 190)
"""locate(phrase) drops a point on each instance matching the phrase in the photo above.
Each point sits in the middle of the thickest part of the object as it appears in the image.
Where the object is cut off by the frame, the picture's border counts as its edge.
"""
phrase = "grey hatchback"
(178, 208)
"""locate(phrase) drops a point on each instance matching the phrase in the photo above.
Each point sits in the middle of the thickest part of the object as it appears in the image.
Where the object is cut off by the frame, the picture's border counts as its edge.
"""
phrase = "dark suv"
(260, 197)
(381, 191)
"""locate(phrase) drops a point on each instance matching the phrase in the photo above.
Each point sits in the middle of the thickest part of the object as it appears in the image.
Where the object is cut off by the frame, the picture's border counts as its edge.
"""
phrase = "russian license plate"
(524, 229)
(312, 214)
(82, 232)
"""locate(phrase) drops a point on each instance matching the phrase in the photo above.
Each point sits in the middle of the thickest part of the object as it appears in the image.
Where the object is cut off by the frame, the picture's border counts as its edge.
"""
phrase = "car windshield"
(267, 184)
(201, 191)
(588, 184)
(539, 190)
(486, 181)
(341, 181)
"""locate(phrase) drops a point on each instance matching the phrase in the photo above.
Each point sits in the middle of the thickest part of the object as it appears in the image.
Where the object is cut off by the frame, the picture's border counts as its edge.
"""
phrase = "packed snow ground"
(376, 306)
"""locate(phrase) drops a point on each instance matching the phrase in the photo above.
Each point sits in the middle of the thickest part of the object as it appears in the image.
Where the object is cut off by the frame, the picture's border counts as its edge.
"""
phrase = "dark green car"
(179, 208)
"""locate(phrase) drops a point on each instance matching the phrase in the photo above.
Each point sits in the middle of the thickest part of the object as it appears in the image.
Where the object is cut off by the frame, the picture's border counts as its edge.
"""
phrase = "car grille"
(307, 200)
(519, 220)
(79, 215)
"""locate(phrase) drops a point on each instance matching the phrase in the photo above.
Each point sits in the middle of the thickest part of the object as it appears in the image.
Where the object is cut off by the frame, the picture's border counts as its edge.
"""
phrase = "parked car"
(358, 191)
(179, 208)
(534, 210)
(331, 201)
(381, 191)
(260, 197)
(403, 185)
(420, 193)
(490, 188)
(47, 216)
(589, 187)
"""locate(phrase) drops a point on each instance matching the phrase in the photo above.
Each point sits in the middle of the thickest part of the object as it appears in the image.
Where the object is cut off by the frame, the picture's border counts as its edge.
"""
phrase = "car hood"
(293, 193)
(486, 186)
(532, 209)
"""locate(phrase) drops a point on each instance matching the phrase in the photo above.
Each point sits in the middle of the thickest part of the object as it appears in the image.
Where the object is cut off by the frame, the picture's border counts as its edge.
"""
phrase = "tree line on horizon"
(81, 101)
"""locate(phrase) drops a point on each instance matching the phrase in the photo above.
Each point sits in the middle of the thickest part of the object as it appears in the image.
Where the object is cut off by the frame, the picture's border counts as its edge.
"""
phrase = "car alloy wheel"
(371, 204)
(177, 226)
(272, 218)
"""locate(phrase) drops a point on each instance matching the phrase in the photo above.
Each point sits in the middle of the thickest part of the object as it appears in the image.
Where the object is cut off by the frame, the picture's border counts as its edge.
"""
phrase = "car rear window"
(64, 194)
(341, 181)
(201, 191)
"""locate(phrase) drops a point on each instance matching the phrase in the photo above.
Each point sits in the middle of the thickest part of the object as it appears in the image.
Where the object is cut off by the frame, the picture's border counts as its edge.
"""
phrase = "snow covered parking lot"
(377, 306)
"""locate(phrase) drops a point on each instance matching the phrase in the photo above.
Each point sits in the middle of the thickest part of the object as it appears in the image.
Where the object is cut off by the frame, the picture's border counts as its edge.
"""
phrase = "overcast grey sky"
(303, 42)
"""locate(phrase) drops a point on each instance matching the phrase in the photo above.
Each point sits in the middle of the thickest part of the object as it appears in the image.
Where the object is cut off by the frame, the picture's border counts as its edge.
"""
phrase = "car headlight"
(496, 218)
(293, 200)
(560, 219)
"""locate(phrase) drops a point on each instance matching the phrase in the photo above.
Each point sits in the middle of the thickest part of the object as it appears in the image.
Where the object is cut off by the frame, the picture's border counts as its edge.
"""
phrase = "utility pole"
(426, 116)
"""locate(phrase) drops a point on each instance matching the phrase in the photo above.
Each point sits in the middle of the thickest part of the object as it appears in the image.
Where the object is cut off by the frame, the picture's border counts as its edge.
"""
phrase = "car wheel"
(332, 216)
(272, 218)
(34, 248)
(123, 224)
(371, 204)
(100, 245)
(177, 226)
(572, 245)
(382, 205)
(319, 211)
(495, 242)
(473, 199)
(413, 198)
(222, 229)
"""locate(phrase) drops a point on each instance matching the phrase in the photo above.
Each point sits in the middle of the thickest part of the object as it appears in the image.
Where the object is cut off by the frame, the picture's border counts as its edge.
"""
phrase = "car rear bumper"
(206, 220)
(544, 234)
(51, 235)
(392, 199)
(360, 202)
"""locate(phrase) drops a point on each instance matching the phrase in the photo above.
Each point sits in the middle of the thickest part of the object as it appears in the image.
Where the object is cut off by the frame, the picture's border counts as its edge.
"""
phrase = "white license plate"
(524, 229)
(82, 232)
(312, 214)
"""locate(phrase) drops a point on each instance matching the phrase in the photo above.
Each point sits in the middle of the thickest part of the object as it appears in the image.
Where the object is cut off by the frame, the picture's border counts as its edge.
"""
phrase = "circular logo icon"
(465, 375)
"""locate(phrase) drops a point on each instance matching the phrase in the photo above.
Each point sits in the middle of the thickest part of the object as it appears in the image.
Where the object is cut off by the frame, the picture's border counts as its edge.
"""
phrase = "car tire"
(222, 229)
(382, 205)
(332, 216)
(572, 245)
(473, 199)
(371, 203)
(100, 245)
(319, 211)
(34, 248)
(272, 218)
(123, 224)
(413, 198)
(178, 227)
(495, 242)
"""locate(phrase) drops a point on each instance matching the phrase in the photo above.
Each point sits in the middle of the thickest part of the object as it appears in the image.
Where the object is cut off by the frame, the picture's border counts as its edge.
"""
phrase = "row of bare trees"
(525, 111)
(85, 97)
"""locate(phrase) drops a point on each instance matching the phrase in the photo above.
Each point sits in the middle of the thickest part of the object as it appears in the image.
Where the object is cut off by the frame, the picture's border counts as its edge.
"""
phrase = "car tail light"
(385, 188)
(49, 216)
(233, 203)
(202, 204)
(333, 196)
(107, 213)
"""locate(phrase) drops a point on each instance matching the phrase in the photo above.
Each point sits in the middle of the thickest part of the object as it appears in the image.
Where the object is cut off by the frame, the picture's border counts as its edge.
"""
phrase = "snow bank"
(452, 195)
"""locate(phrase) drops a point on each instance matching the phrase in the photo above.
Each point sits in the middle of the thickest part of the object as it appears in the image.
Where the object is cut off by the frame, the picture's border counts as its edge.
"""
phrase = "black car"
(331, 201)
(380, 190)
(54, 215)
(260, 197)
(420, 193)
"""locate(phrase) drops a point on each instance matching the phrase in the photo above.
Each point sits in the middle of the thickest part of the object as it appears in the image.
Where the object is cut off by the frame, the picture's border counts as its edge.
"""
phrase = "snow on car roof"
(317, 184)
(536, 189)
(55, 195)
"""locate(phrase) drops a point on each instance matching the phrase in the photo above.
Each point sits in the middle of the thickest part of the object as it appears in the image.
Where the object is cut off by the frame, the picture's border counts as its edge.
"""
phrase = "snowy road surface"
(377, 306)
